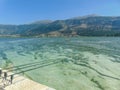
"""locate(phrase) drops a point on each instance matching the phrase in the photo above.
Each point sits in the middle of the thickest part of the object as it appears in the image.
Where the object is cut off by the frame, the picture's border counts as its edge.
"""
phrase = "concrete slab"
(21, 83)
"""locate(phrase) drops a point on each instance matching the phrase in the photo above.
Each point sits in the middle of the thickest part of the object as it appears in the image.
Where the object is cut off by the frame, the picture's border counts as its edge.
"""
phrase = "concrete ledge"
(21, 83)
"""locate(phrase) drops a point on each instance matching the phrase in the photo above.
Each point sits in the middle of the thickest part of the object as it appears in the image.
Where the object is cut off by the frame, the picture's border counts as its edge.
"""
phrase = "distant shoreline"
(13, 36)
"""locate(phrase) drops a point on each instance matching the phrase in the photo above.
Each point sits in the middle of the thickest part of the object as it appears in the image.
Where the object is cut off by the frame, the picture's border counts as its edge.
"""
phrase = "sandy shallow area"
(89, 63)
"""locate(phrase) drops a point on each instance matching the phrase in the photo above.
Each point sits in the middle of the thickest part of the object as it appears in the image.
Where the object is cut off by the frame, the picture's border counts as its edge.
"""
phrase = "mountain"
(91, 25)
(42, 22)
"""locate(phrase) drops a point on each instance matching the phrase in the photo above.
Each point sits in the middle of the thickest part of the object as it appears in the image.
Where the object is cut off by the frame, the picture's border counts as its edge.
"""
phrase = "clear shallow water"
(84, 63)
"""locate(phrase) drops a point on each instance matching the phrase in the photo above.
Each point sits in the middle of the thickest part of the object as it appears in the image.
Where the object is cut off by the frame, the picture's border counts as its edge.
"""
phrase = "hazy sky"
(25, 11)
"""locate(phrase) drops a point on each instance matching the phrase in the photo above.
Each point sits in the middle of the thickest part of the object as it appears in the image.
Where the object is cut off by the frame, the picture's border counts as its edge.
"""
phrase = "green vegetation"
(86, 26)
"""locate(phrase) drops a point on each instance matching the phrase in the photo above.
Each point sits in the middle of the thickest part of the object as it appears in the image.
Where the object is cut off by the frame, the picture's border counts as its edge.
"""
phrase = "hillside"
(79, 26)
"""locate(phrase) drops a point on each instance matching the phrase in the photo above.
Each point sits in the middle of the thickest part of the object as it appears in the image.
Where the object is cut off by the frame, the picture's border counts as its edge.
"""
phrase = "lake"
(79, 63)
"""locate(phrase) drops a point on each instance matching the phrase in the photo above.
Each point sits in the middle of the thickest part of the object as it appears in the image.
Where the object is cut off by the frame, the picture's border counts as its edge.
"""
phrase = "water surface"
(84, 63)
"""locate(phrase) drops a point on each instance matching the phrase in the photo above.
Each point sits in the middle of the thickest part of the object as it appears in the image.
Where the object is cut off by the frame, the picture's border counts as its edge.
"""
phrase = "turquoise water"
(84, 63)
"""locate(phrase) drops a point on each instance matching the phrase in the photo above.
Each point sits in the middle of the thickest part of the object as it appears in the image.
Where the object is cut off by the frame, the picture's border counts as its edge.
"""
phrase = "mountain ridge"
(91, 25)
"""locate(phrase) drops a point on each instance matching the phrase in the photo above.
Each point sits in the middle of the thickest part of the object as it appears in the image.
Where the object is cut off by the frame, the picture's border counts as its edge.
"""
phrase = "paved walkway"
(21, 83)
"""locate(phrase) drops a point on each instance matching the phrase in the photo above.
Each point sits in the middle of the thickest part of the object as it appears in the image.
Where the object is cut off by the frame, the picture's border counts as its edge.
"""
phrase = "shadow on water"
(28, 65)
(36, 67)
(32, 67)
